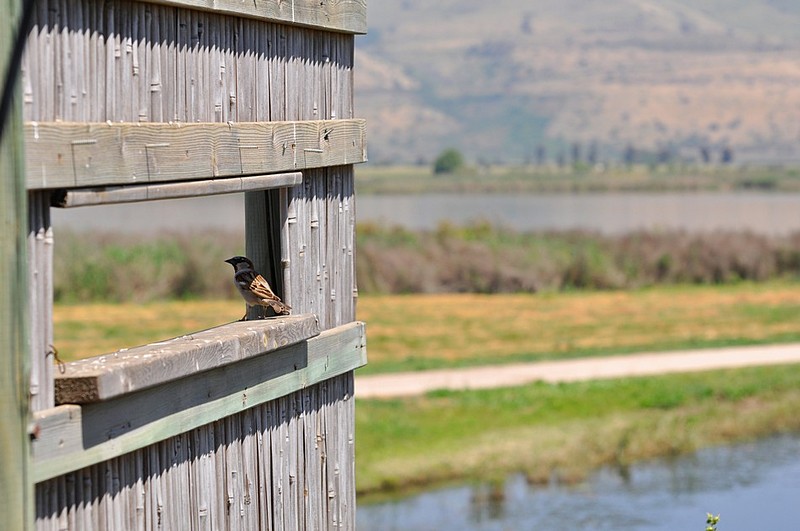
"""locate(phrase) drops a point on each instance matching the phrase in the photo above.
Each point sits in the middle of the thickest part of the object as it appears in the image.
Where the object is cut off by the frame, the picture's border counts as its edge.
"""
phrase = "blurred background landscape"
(547, 181)
(509, 82)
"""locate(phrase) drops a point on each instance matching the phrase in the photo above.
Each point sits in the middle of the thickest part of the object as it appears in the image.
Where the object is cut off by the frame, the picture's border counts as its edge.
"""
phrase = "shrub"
(448, 161)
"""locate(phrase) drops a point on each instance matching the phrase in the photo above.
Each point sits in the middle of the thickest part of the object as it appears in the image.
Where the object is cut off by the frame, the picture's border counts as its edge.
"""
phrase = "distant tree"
(705, 155)
(448, 161)
(561, 159)
(576, 152)
(629, 156)
(664, 155)
(541, 155)
(727, 155)
(525, 26)
(591, 156)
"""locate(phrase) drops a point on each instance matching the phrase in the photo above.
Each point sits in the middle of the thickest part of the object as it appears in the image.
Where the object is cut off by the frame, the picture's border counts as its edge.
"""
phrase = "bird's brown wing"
(260, 287)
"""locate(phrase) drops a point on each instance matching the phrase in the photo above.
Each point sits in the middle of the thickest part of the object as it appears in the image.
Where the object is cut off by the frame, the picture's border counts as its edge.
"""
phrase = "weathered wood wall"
(321, 232)
(120, 61)
(186, 66)
(287, 464)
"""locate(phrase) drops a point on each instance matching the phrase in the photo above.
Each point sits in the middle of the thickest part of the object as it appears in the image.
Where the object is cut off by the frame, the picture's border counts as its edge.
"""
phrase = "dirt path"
(415, 383)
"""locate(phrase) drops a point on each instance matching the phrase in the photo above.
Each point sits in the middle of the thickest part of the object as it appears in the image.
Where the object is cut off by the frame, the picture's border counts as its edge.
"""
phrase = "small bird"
(254, 288)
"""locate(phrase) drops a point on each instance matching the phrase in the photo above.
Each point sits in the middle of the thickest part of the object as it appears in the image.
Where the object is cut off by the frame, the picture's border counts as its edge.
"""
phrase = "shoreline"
(570, 448)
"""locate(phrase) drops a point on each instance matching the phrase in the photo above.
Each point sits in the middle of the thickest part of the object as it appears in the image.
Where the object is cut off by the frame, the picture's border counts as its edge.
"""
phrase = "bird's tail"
(280, 308)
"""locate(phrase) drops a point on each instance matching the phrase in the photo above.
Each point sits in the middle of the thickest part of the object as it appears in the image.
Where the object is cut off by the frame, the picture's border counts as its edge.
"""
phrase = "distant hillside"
(498, 79)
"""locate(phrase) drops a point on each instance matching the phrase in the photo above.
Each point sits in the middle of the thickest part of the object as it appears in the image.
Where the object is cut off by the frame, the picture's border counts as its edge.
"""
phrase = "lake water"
(768, 213)
(753, 486)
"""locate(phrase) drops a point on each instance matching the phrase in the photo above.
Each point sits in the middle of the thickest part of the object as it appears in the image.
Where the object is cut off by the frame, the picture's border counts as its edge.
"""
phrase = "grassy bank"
(412, 332)
(373, 179)
(564, 431)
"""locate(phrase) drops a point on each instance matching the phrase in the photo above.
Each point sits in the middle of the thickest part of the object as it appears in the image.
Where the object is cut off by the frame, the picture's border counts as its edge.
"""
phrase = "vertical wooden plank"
(125, 62)
(156, 89)
(249, 470)
(16, 492)
(243, 61)
(220, 476)
(293, 450)
(283, 244)
(35, 342)
(29, 68)
(135, 66)
(233, 464)
(312, 457)
(110, 85)
(278, 73)
(351, 286)
(192, 51)
(263, 420)
(201, 481)
(181, 505)
(78, 92)
(319, 224)
(182, 69)
(47, 385)
(350, 458)
(71, 500)
(167, 50)
(44, 514)
(138, 516)
(277, 463)
(151, 486)
(330, 246)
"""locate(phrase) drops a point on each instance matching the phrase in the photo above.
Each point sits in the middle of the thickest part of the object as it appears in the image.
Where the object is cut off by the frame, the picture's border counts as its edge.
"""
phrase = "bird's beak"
(230, 261)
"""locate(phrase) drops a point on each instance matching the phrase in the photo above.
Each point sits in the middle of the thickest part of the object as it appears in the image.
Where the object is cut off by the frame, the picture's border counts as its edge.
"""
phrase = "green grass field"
(564, 431)
(413, 332)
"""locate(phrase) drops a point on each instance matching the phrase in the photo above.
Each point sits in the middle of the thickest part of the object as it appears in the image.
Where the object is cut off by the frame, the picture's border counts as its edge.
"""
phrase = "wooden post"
(16, 490)
(264, 220)
(40, 286)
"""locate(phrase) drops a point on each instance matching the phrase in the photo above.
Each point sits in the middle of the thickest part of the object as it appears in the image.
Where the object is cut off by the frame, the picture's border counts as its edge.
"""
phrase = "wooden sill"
(70, 436)
(110, 375)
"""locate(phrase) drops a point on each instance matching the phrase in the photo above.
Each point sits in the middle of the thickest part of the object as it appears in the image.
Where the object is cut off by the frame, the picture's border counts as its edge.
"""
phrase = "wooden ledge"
(127, 370)
(133, 193)
(70, 437)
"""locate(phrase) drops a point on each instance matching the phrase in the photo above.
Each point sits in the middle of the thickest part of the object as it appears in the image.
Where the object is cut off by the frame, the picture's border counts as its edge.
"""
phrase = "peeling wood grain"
(128, 370)
(72, 155)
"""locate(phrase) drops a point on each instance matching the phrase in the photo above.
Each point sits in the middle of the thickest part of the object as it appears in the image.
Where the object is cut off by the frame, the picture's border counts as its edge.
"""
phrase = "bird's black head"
(240, 262)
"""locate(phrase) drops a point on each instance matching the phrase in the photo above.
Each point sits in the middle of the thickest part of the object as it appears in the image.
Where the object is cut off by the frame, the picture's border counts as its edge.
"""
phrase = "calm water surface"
(753, 486)
(612, 212)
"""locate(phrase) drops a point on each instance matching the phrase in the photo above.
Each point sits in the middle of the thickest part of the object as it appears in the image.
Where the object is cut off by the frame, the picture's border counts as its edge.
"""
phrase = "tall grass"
(483, 258)
(119, 267)
(478, 258)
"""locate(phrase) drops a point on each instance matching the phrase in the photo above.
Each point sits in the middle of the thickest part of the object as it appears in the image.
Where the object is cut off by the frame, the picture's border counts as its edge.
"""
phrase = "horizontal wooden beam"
(79, 155)
(72, 437)
(345, 16)
(76, 197)
(128, 370)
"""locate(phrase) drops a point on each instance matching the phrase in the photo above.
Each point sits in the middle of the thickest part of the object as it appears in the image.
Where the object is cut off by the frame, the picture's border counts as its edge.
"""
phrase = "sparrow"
(254, 288)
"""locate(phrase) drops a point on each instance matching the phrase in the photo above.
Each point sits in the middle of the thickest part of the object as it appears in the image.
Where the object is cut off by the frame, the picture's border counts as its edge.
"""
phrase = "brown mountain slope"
(499, 78)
